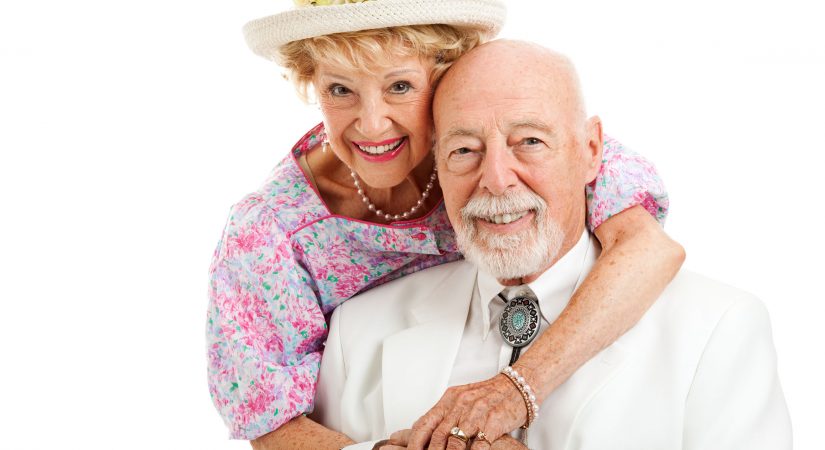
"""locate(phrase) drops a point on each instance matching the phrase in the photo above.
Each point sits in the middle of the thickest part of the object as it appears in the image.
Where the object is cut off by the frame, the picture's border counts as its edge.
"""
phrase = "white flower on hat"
(301, 3)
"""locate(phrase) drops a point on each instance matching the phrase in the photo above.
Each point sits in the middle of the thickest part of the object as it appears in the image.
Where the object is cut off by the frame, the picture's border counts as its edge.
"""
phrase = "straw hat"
(311, 18)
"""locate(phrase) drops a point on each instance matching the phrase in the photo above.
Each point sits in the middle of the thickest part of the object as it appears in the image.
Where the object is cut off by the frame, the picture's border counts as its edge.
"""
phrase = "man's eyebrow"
(453, 132)
(535, 124)
(528, 123)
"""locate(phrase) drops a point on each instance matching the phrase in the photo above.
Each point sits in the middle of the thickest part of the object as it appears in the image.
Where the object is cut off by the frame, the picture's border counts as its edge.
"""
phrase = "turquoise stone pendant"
(519, 322)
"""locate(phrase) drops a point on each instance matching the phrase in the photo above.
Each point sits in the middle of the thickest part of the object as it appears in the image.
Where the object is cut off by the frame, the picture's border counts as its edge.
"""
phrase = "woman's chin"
(382, 180)
(384, 176)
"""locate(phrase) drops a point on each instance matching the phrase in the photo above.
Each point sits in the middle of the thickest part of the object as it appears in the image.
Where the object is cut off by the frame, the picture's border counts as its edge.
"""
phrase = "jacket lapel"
(417, 362)
(563, 408)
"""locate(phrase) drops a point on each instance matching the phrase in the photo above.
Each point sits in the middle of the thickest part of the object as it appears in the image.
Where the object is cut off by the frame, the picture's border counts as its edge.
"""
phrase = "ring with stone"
(456, 432)
(481, 436)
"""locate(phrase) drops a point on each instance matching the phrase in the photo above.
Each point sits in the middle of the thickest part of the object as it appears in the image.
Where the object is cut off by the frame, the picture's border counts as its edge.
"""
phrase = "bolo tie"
(519, 323)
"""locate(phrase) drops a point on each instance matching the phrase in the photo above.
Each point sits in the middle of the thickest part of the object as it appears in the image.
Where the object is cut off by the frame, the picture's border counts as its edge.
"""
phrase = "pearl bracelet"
(526, 393)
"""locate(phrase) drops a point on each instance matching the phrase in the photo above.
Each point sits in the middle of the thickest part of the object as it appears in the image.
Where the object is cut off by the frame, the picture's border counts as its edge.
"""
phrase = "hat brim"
(266, 35)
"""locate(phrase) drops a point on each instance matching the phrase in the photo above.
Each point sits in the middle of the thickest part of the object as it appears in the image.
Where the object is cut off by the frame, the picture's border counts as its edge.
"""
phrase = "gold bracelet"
(526, 393)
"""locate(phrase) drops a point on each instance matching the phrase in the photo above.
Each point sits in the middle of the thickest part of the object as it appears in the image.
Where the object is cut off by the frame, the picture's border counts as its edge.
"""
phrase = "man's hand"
(493, 406)
(400, 439)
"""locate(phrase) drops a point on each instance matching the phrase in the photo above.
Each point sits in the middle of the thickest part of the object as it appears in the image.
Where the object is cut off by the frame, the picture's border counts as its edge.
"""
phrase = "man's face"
(513, 156)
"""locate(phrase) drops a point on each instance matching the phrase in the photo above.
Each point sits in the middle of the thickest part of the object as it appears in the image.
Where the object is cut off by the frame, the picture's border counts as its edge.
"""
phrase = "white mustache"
(485, 206)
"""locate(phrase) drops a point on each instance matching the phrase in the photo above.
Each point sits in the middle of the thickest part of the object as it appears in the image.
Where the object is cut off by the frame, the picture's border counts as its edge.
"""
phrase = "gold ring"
(483, 437)
(456, 432)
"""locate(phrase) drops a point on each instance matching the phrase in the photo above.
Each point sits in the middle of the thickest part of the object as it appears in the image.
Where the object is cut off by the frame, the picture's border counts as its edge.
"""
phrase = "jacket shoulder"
(704, 292)
(693, 304)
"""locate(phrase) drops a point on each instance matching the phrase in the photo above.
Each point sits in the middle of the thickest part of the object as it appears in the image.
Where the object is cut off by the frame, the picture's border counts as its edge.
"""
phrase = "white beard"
(509, 256)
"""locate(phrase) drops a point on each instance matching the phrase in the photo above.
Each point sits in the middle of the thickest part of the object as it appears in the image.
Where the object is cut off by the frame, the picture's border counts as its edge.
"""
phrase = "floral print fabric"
(285, 262)
(625, 179)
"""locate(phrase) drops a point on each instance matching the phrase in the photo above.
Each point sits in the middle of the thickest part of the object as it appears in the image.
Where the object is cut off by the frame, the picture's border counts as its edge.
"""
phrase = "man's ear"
(595, 142)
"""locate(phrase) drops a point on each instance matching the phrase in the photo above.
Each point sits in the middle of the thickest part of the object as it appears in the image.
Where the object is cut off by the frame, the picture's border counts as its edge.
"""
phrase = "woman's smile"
(382, 151)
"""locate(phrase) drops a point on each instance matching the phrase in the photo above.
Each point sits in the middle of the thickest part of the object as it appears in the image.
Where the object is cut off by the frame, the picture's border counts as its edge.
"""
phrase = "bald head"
(514, 68)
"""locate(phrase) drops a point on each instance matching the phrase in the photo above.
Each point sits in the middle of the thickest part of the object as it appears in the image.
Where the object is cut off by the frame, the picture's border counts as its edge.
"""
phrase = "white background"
(127, 129)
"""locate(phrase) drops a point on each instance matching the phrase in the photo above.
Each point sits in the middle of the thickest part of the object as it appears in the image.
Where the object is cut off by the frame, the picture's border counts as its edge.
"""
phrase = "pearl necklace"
(371, 206)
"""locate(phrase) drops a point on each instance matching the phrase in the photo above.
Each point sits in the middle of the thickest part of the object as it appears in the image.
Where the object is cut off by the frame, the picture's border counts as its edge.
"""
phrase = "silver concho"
(519, 322)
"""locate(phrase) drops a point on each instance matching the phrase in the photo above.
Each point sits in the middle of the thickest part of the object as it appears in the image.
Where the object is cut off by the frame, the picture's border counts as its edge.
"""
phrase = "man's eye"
(338, 91)
(402, 87)
(532, 141)
(463, 160)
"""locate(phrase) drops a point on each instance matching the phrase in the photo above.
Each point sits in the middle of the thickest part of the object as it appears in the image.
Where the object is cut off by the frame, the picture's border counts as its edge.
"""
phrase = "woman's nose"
(374, 118)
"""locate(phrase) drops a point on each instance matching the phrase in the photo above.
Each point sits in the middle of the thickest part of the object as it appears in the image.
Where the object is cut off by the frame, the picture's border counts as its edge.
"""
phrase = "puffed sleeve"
(265, 329)
(626, 179)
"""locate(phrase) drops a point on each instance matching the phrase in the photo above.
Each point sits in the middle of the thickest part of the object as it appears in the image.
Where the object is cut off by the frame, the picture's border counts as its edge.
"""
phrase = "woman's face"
(380, 123)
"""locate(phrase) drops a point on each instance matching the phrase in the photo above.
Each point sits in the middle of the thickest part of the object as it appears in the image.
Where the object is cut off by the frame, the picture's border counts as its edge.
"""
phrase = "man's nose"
(498, 170)
(374, 117)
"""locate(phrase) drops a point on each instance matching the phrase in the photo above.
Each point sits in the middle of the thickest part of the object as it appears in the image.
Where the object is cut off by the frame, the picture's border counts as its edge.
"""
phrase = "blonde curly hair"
(370, 49)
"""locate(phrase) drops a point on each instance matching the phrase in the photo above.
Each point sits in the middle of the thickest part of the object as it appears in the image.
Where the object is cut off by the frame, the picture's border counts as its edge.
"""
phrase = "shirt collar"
(553, 288)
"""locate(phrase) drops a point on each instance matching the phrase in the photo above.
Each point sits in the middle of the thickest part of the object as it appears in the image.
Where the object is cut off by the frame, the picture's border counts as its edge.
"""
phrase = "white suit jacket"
(697, 372)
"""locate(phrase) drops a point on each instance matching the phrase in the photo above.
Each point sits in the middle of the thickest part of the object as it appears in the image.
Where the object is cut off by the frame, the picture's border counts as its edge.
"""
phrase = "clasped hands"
(493, 407)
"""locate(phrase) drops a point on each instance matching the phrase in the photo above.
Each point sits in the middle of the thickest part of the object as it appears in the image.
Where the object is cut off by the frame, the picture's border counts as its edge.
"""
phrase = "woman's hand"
(493, 406)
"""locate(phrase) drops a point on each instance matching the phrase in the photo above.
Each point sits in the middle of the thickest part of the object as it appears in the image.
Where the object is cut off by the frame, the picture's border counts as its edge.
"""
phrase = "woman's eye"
(338, 91)
(402, 87)
(532, 141)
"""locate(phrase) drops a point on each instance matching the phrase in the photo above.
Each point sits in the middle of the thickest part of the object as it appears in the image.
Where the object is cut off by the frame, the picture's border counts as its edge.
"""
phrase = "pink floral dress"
(285, 262)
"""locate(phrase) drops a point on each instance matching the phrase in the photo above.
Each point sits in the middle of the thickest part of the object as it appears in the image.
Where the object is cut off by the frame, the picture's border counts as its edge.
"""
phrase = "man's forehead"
(503, 112)
(547, 88)
(468, 127)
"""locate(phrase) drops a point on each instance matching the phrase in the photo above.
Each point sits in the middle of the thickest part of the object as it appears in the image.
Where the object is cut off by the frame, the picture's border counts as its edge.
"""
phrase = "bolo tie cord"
(516, 350)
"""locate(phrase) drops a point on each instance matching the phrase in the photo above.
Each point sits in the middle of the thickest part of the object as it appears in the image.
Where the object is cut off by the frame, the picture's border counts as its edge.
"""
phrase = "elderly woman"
(356, 203)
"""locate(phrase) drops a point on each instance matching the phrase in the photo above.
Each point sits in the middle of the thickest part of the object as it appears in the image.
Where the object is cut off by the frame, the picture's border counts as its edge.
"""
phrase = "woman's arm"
(302, 433)
(265, 329)
(307, 433)
(637, 262)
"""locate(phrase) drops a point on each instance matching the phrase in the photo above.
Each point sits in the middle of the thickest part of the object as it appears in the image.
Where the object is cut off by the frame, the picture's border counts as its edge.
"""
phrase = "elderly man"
(514, 153)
